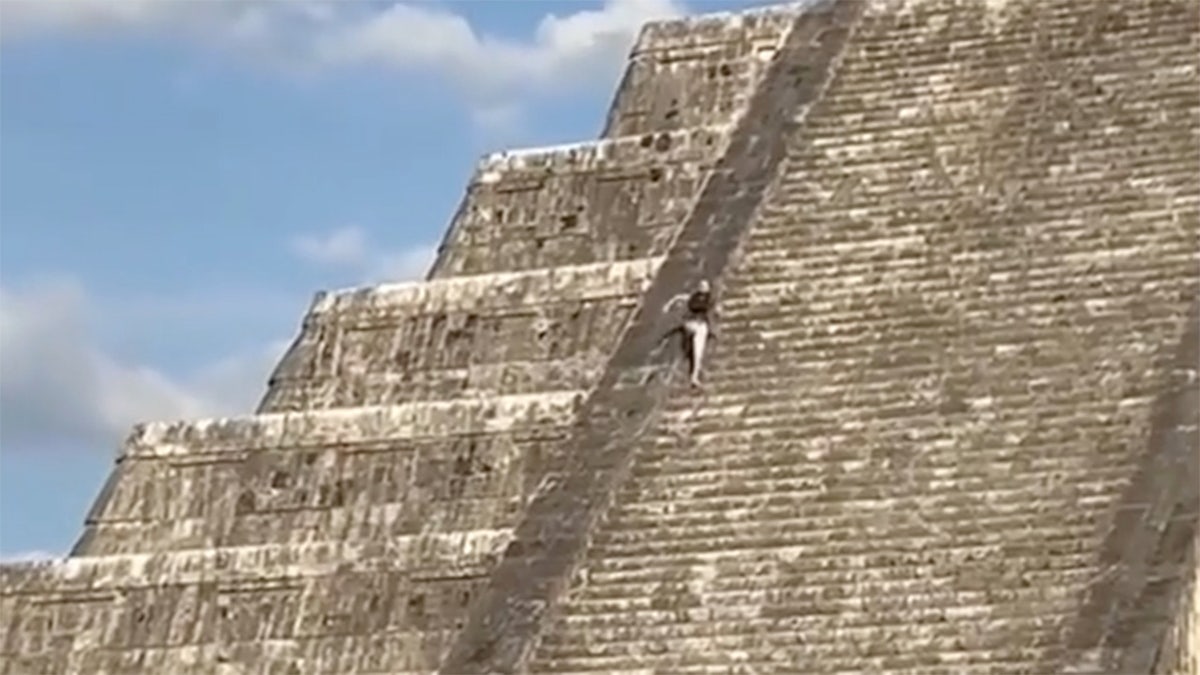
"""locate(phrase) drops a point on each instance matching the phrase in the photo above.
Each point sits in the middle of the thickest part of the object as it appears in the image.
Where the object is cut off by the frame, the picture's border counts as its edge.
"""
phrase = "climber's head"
(703, 286)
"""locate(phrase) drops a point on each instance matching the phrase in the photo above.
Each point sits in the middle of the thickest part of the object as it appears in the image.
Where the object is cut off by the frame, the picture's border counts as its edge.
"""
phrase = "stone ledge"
(477, 379)
(345, 426)
(432, 556)
(574, 283)
(749, 25)
(622, 153)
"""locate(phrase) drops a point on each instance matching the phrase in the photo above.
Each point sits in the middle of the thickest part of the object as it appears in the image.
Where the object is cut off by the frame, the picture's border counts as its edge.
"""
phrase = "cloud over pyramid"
(950, 420)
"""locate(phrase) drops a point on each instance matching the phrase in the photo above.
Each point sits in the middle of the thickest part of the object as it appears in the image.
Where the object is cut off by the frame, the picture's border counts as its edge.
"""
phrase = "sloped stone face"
(949, 423)
(940, 354)
(1179, 652)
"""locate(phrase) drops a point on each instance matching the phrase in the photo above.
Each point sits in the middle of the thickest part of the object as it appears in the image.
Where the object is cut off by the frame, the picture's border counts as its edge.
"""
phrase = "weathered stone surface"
(357, 473)
(950, 423)
(273, 609)
(1145, 556)
(940, 351)
(493, 334)
(603, 201)
(696, 71)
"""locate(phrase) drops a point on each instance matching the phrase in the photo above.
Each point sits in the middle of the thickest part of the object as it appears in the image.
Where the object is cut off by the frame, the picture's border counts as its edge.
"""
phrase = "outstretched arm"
(675, 299)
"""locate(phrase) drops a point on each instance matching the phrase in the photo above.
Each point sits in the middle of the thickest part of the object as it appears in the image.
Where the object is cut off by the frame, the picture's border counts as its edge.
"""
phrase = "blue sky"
(178, 177)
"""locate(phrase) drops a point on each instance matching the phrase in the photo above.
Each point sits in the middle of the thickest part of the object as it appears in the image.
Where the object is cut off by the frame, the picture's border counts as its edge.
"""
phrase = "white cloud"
(410, 264)
(501, 119)
(350, 247)
(581, 49)
(566, 50)
(343, 246)
(28, 556)
(33, 15)
(57, 384)
(236, 383)
(239, 19)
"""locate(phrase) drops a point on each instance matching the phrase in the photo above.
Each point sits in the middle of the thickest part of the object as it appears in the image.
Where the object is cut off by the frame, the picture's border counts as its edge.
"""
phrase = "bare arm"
(676, 299)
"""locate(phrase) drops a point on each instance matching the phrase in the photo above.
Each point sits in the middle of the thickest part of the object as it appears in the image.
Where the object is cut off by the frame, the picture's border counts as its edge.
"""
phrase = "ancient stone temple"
(949, 423)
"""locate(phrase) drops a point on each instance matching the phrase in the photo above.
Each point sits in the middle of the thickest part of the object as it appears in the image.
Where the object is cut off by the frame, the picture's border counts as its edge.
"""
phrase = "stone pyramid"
(949, 424)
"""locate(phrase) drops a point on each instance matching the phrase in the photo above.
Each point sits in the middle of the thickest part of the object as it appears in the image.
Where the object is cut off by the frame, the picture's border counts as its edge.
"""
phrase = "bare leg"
(698, 330)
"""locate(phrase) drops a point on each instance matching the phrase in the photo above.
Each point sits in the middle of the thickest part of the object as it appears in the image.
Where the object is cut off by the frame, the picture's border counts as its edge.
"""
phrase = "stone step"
(432, 554)
(742, 663)
(382, 382)
(857, 412)
(680, 637)
(871, 650)
(783, 537)
(1066, 549)
(680, 469)
(697, 615)
(876, 193)
(695, 511)
(852, 375)
(487, 334)
(832, 337)
(868, 78)
(751, 570)
(366, 517)
(849, 104)
(745, 464)
(807, 290)
(788, 533)
(787, 224)
(497, 293)
(206, 483)
(729, 461)
(519, 168)
(865, 388)
(620, 542)
(347, 426)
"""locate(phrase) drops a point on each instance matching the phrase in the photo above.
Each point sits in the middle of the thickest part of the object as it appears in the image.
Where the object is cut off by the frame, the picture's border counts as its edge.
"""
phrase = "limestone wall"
(696, 71)
(479, 335)
(383, 607)
(346, 475)
(601, 201)
(940, 352)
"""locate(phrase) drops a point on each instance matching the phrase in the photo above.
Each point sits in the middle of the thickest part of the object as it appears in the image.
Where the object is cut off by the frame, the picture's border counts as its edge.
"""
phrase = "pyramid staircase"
(949, 425)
